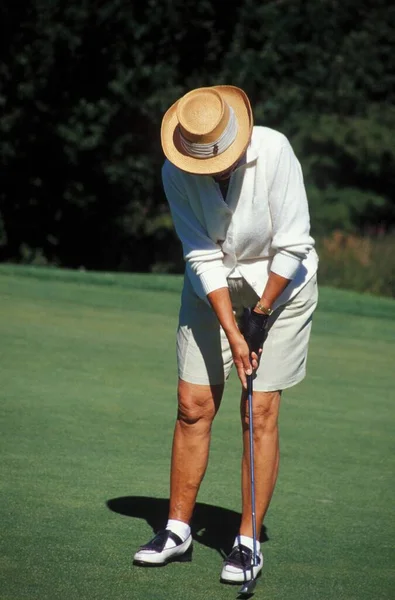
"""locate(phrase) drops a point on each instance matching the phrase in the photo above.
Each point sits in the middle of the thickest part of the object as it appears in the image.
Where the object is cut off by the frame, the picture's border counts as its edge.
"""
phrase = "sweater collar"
(252, 152)
(251, 155)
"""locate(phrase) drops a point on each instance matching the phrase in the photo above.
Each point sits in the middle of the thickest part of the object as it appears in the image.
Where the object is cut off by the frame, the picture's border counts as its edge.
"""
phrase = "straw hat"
(208, 129)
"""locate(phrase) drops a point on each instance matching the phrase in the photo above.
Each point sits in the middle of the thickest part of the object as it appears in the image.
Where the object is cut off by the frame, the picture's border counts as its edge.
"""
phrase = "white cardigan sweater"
(263, 225)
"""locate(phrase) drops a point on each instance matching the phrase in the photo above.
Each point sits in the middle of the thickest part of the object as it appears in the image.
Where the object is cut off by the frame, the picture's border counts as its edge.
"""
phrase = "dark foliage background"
(84, 86)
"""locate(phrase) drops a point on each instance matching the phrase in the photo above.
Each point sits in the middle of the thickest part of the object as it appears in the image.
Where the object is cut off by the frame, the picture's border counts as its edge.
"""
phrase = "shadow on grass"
(212, 526)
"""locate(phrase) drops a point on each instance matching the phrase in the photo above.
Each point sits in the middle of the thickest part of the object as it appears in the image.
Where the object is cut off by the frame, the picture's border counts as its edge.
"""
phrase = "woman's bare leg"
(266, 456)
(197, 407)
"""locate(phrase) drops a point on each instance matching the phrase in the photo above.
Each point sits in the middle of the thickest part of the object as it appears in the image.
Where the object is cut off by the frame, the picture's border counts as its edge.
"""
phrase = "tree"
(85, 85)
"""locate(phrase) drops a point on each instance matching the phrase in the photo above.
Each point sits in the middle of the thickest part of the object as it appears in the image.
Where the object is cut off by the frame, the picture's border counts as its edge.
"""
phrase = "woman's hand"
(241, 357)
(244, 350)
(254, 330)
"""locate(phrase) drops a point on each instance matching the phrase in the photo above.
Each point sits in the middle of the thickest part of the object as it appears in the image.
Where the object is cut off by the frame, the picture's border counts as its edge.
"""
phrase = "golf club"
(248, 588)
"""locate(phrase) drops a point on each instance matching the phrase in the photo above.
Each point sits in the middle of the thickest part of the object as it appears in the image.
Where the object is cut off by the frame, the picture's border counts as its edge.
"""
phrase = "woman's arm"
(203, 255)
(275, 286)
(289, 213)
(290, 221)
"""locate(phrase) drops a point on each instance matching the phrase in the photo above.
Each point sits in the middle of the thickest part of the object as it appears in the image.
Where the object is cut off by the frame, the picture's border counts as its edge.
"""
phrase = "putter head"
(247, 589)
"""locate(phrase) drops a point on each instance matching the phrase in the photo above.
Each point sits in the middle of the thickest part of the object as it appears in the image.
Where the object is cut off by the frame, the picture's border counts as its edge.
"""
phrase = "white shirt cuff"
(213, 280)
(285, 265)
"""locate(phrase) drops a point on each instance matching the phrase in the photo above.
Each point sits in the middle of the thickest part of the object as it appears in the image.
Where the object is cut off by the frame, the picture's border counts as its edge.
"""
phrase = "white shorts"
(203, 351)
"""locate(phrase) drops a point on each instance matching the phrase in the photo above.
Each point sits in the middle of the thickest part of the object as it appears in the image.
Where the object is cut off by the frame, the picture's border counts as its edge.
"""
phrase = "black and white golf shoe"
(165, 547)
(237, 566)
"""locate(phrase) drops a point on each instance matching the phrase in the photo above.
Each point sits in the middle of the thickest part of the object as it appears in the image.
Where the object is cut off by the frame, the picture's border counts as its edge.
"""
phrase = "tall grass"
(360, 263)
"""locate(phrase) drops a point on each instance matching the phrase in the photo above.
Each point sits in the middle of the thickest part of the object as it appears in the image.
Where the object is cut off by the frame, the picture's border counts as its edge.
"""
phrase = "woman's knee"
(198, 403)
(266, 407)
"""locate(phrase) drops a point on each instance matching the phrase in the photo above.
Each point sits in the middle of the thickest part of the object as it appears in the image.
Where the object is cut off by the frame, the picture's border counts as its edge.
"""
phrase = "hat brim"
(173, 150)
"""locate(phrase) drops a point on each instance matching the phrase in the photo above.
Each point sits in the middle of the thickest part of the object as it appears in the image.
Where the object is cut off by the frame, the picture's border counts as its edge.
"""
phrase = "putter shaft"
(249, 586)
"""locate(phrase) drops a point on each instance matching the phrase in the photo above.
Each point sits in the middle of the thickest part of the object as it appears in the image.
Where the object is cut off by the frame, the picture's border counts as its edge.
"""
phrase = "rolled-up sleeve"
(291, 239)
(204, 257)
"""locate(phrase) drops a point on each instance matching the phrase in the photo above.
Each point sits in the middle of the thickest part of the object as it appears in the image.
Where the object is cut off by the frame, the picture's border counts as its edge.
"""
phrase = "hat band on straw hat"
(207, 131)
(226, 139)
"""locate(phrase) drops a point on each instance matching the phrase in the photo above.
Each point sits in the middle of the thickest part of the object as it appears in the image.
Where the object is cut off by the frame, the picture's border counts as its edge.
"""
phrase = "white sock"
(180, 528)
(247, 541)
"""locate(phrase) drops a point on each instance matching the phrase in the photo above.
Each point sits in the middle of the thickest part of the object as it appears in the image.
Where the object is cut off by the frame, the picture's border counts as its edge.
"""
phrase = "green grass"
(87, 390)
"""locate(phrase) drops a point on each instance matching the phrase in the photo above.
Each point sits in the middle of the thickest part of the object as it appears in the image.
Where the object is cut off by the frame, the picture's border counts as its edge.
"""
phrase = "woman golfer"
(239, 207)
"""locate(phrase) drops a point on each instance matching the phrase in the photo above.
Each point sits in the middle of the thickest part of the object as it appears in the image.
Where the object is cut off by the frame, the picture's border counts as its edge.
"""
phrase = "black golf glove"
(254, 329)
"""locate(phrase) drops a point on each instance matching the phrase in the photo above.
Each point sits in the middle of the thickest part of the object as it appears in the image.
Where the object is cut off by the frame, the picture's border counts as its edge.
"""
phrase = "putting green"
(87, 372)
